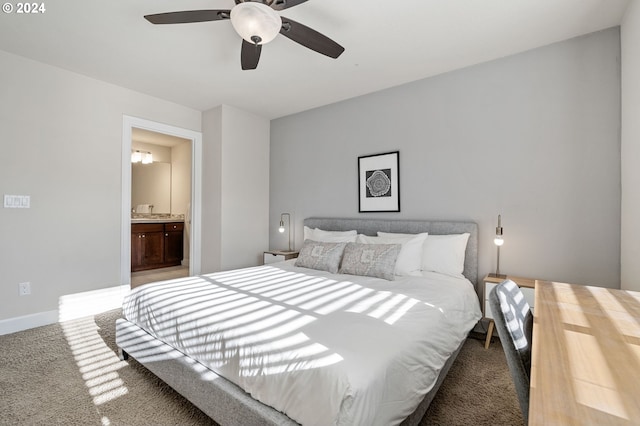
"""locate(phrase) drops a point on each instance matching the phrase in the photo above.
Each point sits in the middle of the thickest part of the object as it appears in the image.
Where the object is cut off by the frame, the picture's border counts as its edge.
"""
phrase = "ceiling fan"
(257, 22)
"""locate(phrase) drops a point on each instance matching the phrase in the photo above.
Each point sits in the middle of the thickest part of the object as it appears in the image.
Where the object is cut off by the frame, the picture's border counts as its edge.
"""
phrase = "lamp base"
(501, 276)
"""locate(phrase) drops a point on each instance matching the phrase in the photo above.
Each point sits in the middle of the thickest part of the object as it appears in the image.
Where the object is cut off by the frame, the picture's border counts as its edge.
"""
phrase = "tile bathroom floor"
(152, 275)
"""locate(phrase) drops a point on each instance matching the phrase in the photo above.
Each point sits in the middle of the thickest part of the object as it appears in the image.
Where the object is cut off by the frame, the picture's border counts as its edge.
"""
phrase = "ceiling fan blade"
(188, 16)
(285, 4)
(310, 38)
(250, 55)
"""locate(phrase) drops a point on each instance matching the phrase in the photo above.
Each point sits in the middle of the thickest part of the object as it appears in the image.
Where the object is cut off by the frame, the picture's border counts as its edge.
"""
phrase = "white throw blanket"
(324, 349)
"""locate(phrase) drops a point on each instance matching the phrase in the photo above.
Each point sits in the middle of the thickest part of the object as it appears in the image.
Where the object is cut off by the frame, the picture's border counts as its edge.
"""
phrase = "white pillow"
(329, 236)
(445, 253)
(410, 258)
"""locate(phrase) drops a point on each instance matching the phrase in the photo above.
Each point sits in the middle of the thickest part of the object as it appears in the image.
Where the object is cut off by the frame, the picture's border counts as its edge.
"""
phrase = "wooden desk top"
(585, 356)
(521, 281)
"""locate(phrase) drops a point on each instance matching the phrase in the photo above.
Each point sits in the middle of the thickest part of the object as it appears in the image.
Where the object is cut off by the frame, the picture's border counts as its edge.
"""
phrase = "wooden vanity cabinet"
(173, 243)
(156, 245)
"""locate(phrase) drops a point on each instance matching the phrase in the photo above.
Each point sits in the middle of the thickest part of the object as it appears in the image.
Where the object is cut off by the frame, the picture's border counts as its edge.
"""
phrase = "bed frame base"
(122, 354)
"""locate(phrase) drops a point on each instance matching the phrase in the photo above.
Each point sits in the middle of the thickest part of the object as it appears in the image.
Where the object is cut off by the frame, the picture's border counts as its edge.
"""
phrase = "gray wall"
(630, 139)
(534, 137)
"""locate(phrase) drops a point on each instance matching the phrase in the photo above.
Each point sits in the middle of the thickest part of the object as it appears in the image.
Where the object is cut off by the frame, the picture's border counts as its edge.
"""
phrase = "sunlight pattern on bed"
(286, 334)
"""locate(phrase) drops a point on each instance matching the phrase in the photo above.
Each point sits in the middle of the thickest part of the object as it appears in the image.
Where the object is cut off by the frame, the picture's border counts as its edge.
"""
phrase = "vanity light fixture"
(136, 156)
(498, 241)
(147, 158)
(141, 157)
(281, 228)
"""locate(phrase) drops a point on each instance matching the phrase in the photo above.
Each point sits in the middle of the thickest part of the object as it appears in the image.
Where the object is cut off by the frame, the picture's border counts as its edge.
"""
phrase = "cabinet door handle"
(139, 236)
(166, 235)
(143, 235)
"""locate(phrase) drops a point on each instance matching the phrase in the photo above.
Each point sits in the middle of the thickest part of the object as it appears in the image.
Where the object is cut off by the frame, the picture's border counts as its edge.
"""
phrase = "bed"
(322, 347)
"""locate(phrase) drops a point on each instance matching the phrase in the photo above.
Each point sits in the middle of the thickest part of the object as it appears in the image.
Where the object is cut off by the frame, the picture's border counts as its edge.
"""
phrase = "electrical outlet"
(25, 288)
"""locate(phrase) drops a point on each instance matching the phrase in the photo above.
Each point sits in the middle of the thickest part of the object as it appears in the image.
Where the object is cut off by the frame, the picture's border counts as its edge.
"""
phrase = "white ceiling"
(198, 65)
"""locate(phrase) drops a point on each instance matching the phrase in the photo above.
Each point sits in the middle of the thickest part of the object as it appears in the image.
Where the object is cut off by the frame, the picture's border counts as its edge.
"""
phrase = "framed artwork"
(379, 182)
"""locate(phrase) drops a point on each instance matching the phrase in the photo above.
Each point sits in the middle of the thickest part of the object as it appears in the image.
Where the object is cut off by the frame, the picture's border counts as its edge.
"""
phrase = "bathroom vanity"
(156, 243)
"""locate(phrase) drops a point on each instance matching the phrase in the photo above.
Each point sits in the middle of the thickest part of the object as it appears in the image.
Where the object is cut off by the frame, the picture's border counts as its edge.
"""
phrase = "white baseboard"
(70, 306)
(12, 325)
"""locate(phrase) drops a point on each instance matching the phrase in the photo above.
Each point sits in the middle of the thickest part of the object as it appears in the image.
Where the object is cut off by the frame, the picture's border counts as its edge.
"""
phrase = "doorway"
(192, 216)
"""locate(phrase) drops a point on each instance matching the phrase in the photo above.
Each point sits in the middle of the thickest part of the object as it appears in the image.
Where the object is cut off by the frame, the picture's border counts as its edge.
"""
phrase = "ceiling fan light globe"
(253, 19)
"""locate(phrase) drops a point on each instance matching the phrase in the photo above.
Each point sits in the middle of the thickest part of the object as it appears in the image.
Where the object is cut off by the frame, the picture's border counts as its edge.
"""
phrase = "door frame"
(128, 123)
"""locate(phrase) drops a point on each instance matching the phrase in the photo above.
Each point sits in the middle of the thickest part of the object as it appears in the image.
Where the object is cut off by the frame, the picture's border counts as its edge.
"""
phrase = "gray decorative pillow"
(372, 260)
(321, 256)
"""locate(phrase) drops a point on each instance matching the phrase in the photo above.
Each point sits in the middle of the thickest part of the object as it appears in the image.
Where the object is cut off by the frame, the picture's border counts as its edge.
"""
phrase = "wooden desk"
(585, 356)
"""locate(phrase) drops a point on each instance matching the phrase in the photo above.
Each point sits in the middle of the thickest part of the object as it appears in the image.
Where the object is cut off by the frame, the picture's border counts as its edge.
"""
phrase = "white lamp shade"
(498, 241)
(256, 19)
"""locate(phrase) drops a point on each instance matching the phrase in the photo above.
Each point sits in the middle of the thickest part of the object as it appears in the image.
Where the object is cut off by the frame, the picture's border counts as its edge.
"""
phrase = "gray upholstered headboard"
(372, 226)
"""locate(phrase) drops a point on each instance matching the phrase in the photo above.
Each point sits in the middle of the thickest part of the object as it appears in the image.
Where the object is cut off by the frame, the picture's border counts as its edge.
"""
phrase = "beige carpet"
(69, 374)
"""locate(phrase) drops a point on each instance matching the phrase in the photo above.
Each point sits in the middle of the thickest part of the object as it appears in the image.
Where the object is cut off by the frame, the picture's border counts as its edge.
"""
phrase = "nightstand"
(527, 286)
(273, 256)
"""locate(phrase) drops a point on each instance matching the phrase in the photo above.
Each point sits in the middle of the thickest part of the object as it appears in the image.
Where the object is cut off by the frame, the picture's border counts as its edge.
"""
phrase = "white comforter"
(324, 349)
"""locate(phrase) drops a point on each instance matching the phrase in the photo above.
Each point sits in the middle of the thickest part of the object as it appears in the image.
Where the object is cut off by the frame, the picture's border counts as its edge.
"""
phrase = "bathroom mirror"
(151, 184)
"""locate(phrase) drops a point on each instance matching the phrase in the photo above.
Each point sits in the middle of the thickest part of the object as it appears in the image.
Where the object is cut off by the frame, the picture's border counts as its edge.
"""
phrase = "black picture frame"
(379, 182)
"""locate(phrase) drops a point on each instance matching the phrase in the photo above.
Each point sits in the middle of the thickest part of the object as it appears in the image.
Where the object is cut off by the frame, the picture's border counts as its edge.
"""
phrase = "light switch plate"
(17, 201)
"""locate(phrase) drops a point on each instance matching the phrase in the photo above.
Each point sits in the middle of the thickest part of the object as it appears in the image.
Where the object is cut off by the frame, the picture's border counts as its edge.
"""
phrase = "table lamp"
(498, 241)
(281, 228)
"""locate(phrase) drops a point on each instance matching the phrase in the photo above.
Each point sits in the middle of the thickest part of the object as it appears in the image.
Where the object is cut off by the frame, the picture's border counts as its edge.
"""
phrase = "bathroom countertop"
(156, 220)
